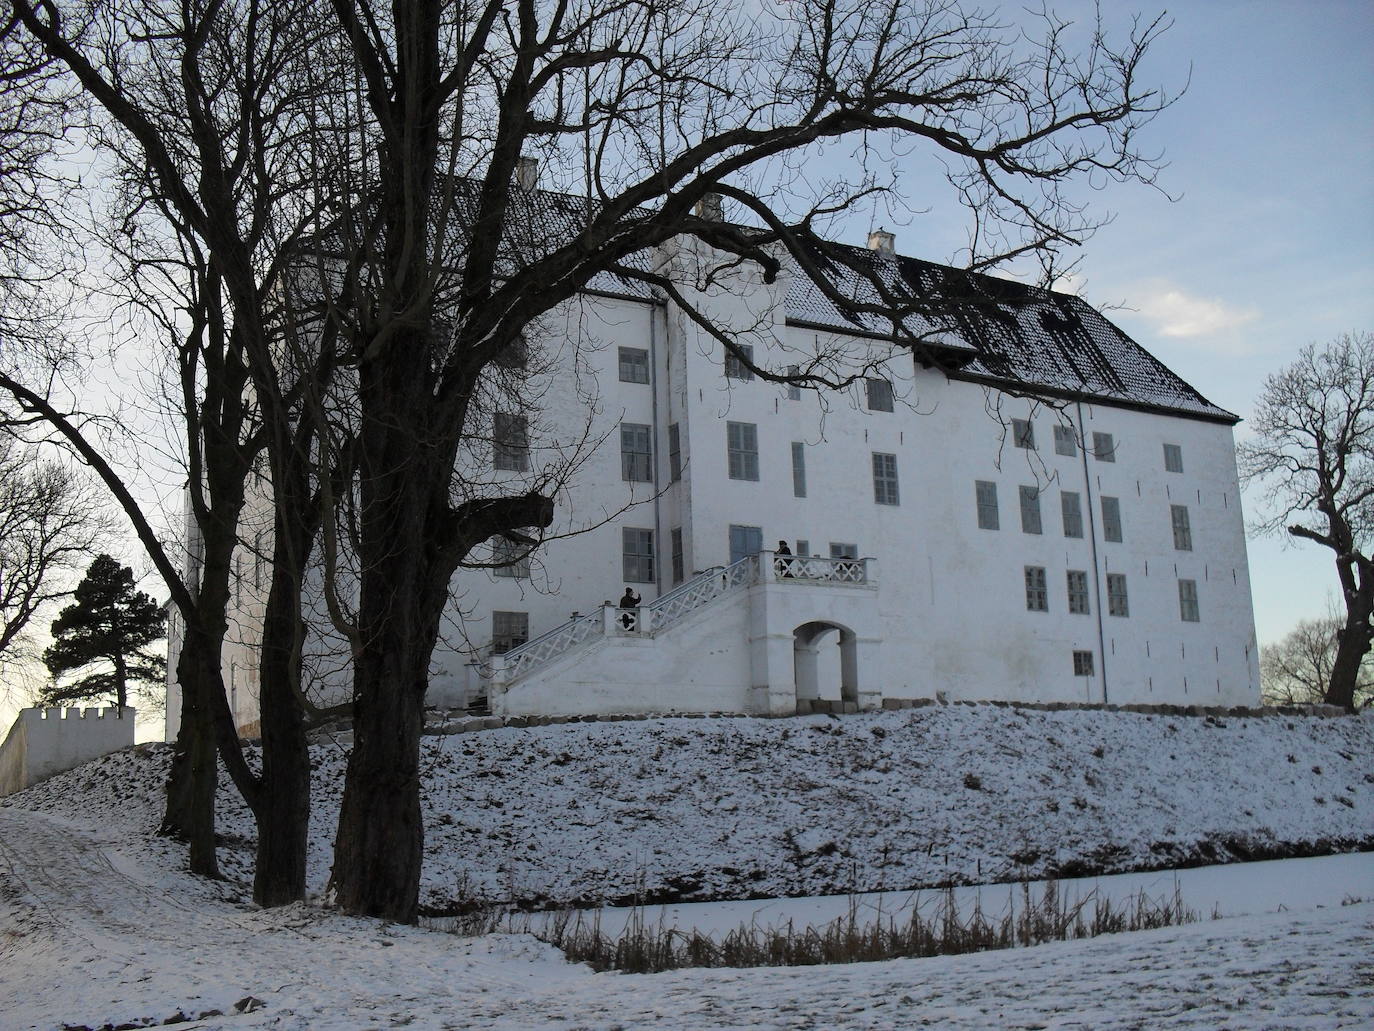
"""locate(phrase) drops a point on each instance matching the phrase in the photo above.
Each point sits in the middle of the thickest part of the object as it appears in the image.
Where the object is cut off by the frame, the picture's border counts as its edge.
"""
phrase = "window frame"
(1083, 664)
(798, 469)
(1173, 458)
(674, 452)
(1182, 527)
(1112, 531)
(742, 459)
(507, 562)
(1023, 434)
(638, 363)
(510, 637)
(643, 572)
(878, 395)
(636, 463)
(985, 500)
(510, 442)
(1071, 513)
(1118, 596)
(679, 567)
(1189, 611)
(886, 485)
(1104, 446)
(1080, 600)
(734, 365)
(1030, 510)
(1065, 440)
(1037, 589)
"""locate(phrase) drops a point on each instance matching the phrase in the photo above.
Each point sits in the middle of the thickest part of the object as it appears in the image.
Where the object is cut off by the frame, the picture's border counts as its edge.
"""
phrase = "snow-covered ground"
(99, 930)
(695, 809)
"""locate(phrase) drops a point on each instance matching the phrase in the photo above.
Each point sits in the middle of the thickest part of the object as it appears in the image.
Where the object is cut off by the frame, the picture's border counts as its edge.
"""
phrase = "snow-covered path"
(94, 932)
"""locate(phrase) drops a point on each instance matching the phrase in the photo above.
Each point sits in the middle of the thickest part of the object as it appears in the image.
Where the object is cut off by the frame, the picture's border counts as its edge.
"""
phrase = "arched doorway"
(825, 664)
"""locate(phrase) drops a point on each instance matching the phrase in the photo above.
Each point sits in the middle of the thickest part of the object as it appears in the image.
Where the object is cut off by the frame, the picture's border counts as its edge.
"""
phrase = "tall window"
(798, 469)
(1023, 434)
(679, 567)
(885, 479)
(793, 391)
(634, 365)
(1183, 531)
(743, 444)
(1072, 511)
(879, 395)
(1111, 519)
(1117, 602)
(1065, 442)
(510, 444)
(509, 630)
(1187, 601)
(1037, 593)
(986, 492)
(636, 454)
(1030, 510)
(1173, 458)
(735, 367)
(674, 453)
(511, 559)
(745, 541)
(1078, 592)
(637, 554)
(1104, 447)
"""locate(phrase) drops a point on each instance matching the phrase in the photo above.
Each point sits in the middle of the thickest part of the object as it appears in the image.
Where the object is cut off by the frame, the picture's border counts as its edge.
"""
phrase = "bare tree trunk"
(1353, 643)
(194, 777)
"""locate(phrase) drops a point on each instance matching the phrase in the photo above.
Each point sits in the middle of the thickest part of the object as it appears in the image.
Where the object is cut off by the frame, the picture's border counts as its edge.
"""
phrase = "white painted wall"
(44, 742)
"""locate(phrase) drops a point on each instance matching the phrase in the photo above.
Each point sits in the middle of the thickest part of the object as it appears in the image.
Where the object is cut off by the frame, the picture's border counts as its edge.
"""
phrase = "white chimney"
(883, 242)
(711, 208)
(526, 173)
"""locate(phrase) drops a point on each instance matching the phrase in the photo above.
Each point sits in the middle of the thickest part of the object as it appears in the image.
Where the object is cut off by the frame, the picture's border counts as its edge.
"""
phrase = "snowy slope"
(739, 808)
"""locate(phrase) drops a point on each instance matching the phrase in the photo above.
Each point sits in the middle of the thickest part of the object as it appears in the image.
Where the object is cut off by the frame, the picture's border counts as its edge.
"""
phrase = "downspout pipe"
(1098, 573)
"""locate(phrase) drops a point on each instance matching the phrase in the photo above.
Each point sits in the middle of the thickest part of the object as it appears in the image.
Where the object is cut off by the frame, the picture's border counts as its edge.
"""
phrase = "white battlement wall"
(44, 742)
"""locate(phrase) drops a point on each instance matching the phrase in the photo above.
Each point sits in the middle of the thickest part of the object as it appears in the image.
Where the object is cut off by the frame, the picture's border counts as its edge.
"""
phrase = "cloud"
(1177, 313)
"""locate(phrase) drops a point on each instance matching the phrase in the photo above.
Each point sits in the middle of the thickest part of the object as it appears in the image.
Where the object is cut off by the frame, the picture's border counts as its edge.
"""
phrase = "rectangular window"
(1117, 602)
(636, 454)
(1082, 664)
(885, 479)
(798, 469)
(1065, 441)
(1037, 593)
(634, 365)
(986, 492)
(637, 554)
(879, 395)
(1183, 532)
(735, 367)
(510, 444)
(743, 444)
(1072, 511)
(1078, 592)
(511, 559)
(803, 548)
(1187, 601)
(745, 541)
(1030, 510)
(674, 453)
(1111, 519)
(1173, 458)
(1023, 434)
(679, 566)
(1104, 448)
(509, 630)
(793, 391)
(843, 550)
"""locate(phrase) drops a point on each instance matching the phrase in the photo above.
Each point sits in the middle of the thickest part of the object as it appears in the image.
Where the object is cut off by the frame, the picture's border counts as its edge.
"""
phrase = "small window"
(803, 548)
(743, 448)
(1187, 601)
(509, 630)
(986, 492)
(634, 365)
(793, 391)
(679, 566)
(258, 561)
(879, 395)
(516, 354)
(674, 453)
(1072, 511)
(843, 550)
(1111, 519)
(735, 367)
(636, 453)
(885, 479)
(637, 553)
(1030, 510)
(1037, 593)
(1183, 531)
(1023, 434)
(1117, 602)
(1078, 592)
(1065, 441)
(745, 541)
(798, 469)
(510, 443)
(512, 560)
(1104, 447)
(1082, 664)
(1173, 458)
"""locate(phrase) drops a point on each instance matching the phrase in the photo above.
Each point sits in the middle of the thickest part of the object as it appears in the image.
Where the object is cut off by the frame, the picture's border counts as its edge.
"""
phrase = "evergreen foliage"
(109, 626)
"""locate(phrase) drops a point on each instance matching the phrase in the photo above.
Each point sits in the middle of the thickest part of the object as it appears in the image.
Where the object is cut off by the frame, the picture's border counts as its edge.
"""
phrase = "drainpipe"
(658, 451)
(1092, 537)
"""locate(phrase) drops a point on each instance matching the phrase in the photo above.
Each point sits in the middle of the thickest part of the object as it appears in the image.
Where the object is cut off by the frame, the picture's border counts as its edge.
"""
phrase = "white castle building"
(951, 535)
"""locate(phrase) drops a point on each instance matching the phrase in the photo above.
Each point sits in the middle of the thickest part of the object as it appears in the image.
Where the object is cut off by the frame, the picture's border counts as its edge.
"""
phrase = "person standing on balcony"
(629, 600)
(784, 554)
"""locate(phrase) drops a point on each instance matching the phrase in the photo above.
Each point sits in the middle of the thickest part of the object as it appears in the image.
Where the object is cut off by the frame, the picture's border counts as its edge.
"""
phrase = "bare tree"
(1312, 451)
(1297, 669)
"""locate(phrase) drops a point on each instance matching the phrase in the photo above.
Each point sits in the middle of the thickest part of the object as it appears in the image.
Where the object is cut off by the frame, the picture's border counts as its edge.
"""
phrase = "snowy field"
(700, 809)
(97, 930)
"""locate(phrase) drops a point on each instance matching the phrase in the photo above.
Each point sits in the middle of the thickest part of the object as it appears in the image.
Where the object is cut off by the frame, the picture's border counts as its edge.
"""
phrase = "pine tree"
(109, 626)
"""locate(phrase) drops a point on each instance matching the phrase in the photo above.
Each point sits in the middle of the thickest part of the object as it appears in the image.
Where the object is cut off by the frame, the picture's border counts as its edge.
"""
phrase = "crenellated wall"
(43, 742)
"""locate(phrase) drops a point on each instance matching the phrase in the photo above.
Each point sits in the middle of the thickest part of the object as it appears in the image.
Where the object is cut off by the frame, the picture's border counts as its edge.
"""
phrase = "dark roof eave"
(1219, 415)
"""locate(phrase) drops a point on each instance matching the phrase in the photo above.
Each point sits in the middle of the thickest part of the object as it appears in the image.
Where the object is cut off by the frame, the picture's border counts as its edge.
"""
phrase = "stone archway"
(809, 665)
